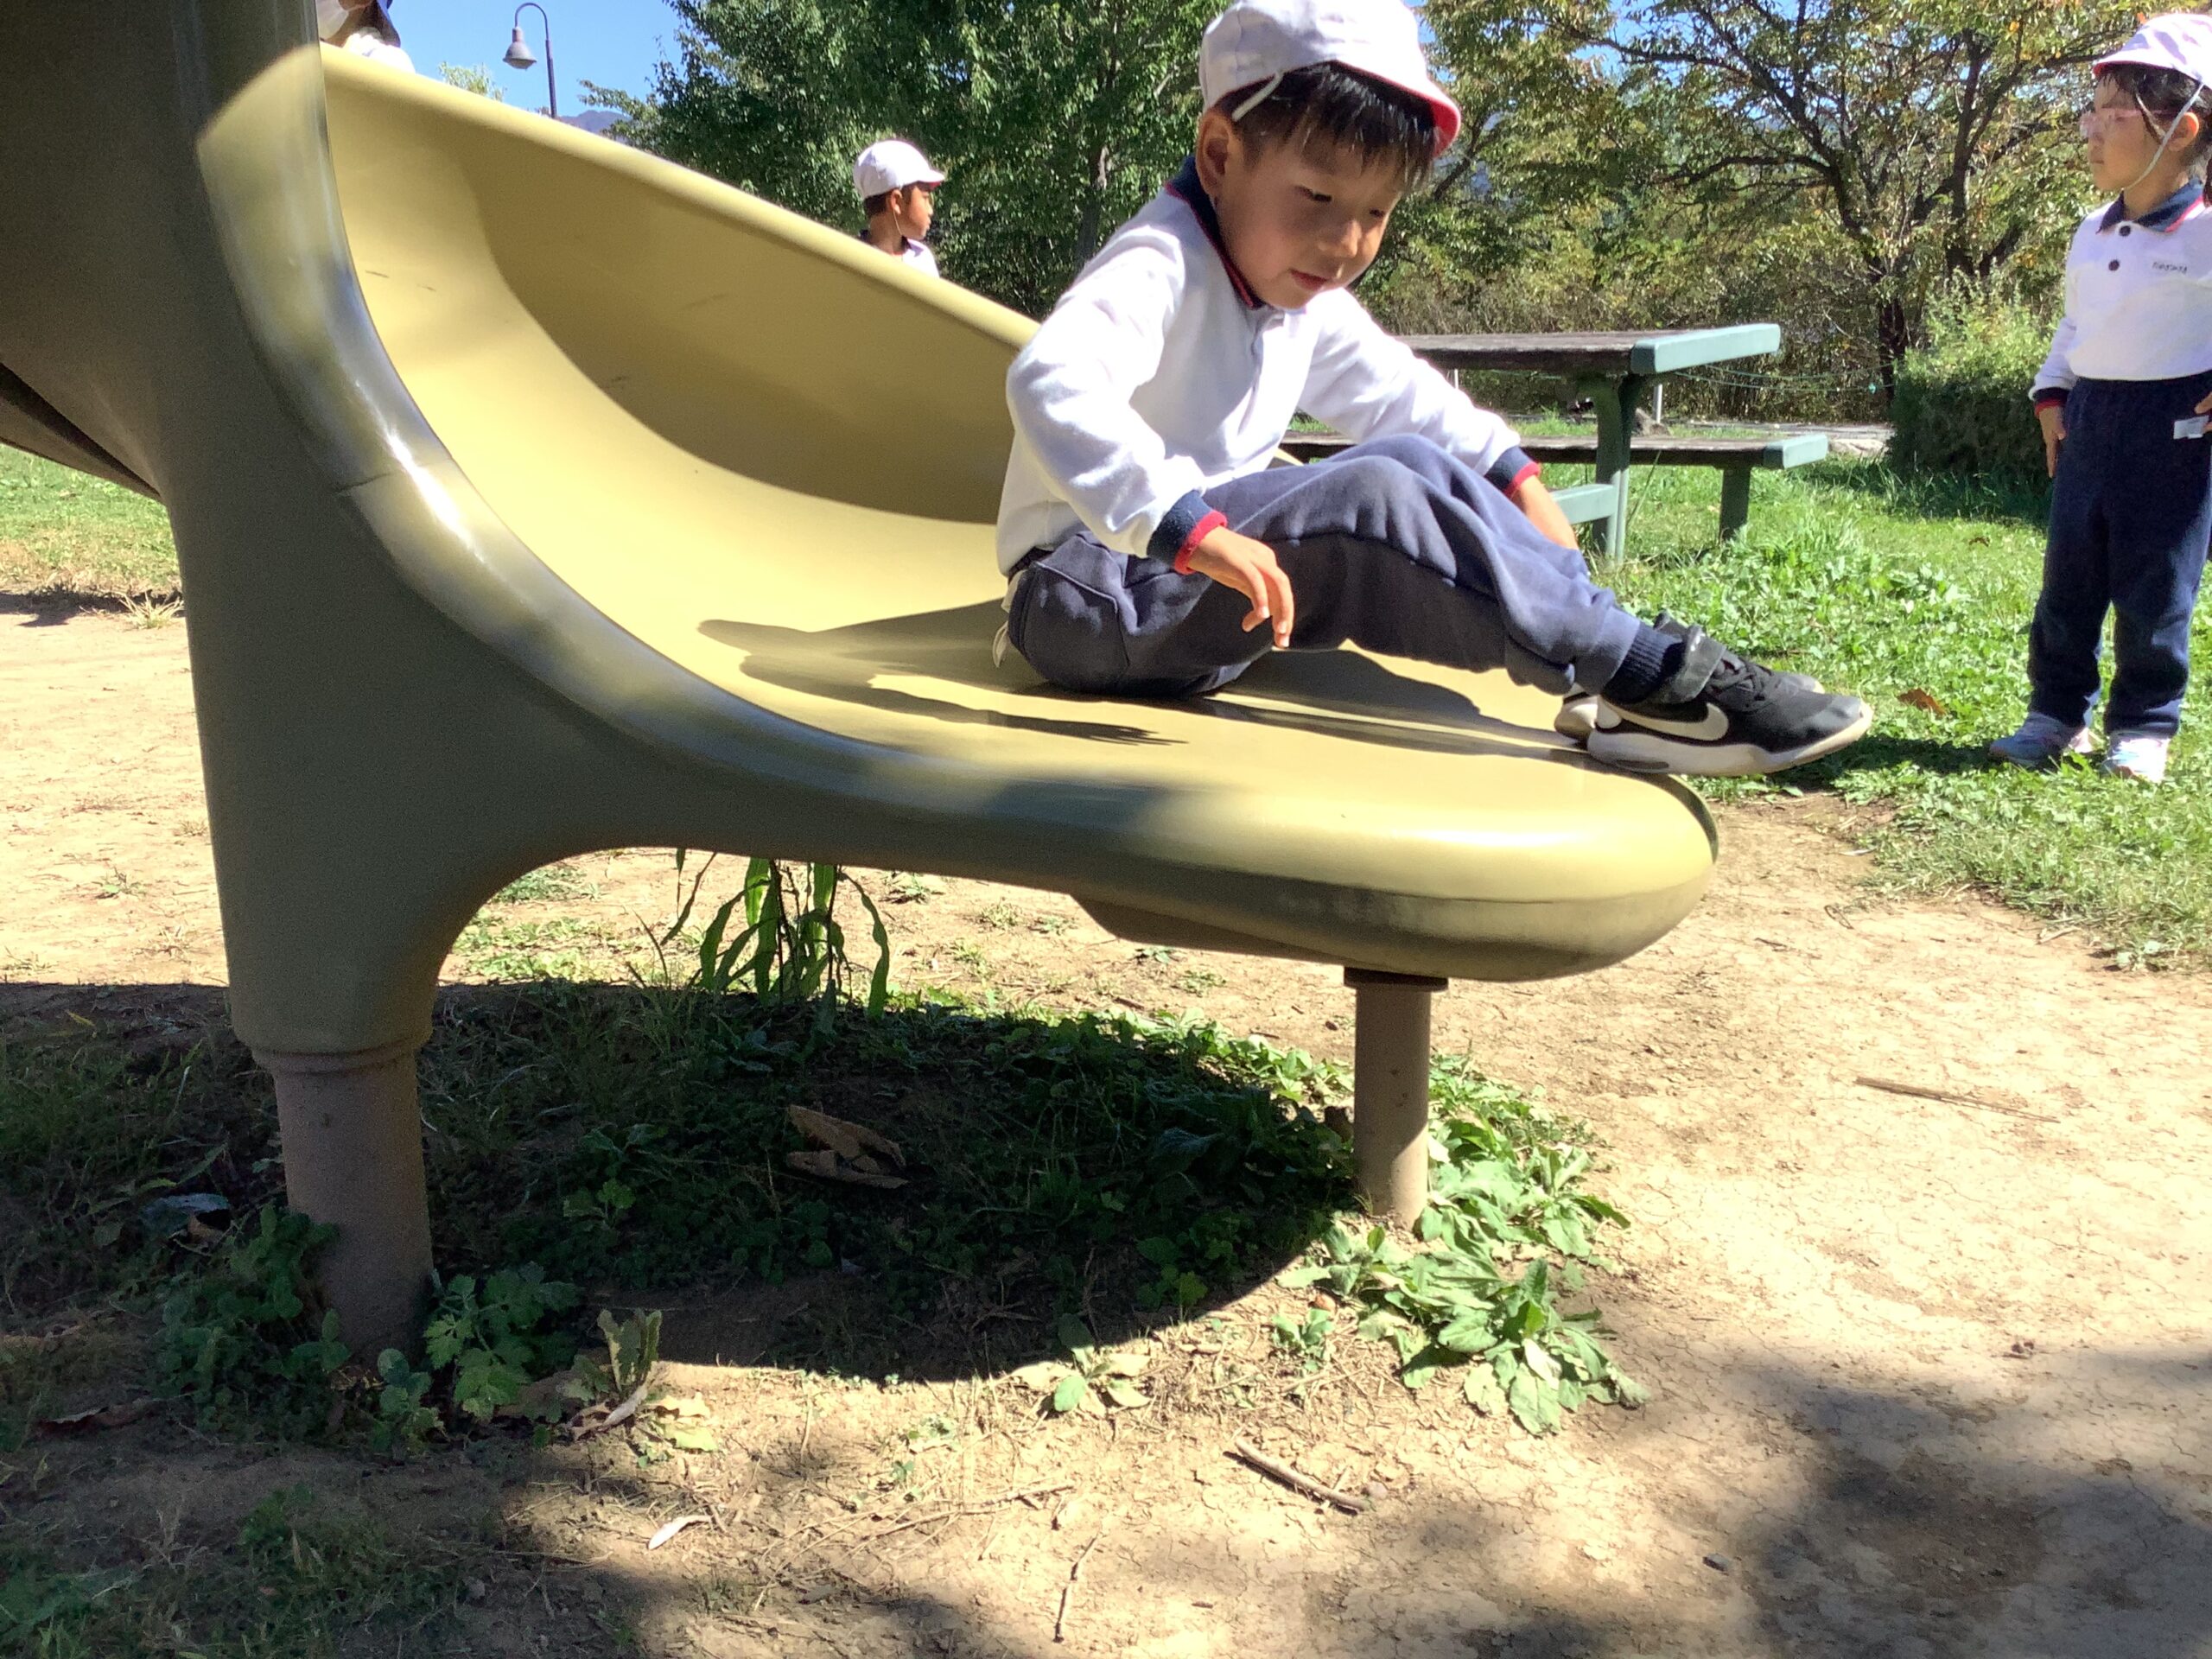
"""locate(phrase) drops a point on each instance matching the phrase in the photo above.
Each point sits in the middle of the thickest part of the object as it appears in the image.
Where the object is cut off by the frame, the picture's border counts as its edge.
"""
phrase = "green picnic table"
(1614, 369)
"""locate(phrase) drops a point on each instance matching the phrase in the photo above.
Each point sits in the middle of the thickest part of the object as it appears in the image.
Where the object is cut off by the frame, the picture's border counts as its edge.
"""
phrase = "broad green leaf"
(1535, 1404)
(1123, 1392)
(1482, 1393)
(1074, 1388)
(1424, 1365)
(1537, 1360)
(1470, 1333)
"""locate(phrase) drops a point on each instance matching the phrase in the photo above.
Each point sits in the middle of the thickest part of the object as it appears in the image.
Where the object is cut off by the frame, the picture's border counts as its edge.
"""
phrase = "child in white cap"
(2122, 400)
(1153, 552)
(897, 191)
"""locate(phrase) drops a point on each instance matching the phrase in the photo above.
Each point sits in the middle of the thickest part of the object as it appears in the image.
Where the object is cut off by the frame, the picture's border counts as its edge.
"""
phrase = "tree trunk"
(1091, 229)
(1893, 339)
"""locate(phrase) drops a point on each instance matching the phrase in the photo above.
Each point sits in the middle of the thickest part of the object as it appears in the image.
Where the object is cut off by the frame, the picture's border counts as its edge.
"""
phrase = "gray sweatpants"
(1393, 545)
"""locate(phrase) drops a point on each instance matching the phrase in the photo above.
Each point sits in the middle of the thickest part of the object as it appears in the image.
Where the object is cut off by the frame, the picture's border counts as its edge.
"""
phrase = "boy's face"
(916, 208)
(1296, 224)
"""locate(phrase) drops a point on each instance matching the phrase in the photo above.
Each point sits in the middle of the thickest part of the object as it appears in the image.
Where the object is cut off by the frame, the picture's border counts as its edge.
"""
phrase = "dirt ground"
(1931, 1376)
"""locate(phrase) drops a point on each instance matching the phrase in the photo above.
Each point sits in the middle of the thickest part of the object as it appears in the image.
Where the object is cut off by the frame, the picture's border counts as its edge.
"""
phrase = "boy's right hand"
(1249, 566)
(2052, 418)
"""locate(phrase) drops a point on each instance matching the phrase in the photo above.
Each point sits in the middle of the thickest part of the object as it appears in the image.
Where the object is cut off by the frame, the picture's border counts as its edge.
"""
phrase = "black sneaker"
(1720, 717)
(1577, 715)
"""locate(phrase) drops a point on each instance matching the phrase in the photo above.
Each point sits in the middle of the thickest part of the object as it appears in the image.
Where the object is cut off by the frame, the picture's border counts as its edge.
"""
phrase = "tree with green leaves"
(1054, 118)
(1935, 136)
(472, 78)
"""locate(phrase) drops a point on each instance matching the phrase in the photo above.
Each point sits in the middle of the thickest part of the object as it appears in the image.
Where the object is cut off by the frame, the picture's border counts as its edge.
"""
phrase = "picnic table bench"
(1613, 368)
(1737, 459)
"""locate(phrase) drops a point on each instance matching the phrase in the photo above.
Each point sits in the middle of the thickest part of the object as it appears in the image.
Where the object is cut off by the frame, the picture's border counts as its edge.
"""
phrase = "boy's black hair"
(2164, 95)
(1327, 107)
(879, 203)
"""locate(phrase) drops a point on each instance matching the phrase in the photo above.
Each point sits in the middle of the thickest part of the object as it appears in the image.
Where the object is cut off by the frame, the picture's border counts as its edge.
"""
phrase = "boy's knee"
(1373, 476)
(1410, 450)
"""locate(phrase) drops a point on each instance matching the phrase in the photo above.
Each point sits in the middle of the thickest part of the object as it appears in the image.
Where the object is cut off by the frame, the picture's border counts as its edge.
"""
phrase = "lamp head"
(518, 53)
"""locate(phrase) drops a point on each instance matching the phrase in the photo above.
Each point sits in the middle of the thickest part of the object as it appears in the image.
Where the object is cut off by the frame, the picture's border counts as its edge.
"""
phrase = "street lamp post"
(520, 56)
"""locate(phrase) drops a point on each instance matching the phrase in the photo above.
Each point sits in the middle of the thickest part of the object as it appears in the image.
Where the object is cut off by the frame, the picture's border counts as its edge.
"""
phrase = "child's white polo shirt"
(1160, 374)
(2138, 297)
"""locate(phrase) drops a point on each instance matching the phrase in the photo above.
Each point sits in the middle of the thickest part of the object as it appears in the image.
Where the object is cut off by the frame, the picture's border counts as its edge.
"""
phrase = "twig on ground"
(1245, 1452)
(1952, 1097)
(976, 1506)
(1075, 1572)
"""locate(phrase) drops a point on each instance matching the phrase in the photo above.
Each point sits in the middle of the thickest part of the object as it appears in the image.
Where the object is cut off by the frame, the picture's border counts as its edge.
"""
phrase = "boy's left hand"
(2204, 407)
(1533, 500)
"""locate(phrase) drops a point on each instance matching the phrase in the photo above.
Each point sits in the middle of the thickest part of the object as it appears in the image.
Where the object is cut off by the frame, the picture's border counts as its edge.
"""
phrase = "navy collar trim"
(1186, 188)
(2163, 217)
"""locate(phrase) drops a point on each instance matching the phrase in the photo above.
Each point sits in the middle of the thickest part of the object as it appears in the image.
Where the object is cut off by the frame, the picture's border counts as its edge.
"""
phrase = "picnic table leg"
(1389, 1108)
(1735, 501)
(1616, 406)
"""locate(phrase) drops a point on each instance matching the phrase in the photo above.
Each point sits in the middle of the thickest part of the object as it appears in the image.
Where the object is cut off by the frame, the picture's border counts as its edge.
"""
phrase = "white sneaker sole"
(1632, 750)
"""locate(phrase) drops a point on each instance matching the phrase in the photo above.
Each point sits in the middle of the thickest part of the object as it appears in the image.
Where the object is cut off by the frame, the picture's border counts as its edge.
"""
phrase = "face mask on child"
(330, 15)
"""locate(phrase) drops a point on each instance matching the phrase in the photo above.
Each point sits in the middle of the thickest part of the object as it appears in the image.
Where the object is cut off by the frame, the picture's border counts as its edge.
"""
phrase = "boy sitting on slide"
(1153, 551)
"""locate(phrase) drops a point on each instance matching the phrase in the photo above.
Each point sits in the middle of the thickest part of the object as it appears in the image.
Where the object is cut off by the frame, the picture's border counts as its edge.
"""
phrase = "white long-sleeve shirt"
(2138, 297)
(1160, 375)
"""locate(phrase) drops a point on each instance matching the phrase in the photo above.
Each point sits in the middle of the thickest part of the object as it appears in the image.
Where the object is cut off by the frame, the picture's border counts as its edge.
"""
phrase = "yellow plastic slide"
(533, 495)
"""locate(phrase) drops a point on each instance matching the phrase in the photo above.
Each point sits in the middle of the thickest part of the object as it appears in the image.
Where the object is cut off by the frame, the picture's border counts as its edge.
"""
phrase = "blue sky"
(614, 43)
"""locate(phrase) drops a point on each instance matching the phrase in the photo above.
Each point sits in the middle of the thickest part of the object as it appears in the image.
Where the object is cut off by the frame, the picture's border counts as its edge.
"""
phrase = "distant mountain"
(593, 120)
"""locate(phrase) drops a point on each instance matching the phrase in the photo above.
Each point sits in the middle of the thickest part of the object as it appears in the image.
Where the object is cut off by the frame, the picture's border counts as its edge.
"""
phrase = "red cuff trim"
(1532, 470)
(1200, 531)
(2050, 400)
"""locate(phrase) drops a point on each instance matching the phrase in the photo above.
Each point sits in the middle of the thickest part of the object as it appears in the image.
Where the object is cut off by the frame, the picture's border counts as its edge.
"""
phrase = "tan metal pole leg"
(1389, 1106)
(352, 1127)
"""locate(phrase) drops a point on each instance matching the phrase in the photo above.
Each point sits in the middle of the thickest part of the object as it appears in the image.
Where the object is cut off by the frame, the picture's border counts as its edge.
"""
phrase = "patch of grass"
(623, 1136)
(1117, 1170)
(302, 1577)
(553, 882)
(1509, 1226)
(247, 1342)
(1915, 593)
(97, 1121)
(66, 531)
(502, 947)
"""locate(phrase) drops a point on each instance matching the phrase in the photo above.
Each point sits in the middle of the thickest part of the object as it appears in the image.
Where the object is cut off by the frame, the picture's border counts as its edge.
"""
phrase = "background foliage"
(1839, 167)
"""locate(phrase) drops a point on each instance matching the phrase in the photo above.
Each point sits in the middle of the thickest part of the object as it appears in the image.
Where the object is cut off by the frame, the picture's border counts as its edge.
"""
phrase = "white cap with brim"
(892, 165)
(1257, 43)
(2180, 40)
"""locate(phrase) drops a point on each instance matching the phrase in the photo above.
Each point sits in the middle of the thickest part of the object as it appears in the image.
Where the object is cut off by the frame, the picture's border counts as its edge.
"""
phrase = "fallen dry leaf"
(1927, 700)
(99, 1417)
(823, 1165)
(848, 1140)
(672, 1528)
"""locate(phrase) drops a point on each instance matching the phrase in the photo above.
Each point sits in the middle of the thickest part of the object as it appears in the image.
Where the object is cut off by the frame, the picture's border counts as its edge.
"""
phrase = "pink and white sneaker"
(2139, 755)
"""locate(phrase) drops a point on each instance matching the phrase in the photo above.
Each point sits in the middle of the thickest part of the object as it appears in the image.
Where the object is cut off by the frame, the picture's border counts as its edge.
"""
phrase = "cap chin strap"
(2165, 137)
(1266, 90)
